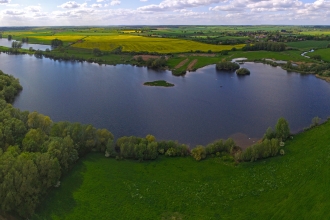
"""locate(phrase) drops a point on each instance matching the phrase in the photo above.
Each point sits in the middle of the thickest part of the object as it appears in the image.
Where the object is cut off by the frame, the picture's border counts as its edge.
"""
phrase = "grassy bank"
(292, 186)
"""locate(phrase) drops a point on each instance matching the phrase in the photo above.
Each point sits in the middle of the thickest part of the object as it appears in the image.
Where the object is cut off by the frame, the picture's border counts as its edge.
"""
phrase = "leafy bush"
(315, 122)
(56, 43)
(227, 65)
(267, 148)
(243, 71)
(97, 52)
(198, 153)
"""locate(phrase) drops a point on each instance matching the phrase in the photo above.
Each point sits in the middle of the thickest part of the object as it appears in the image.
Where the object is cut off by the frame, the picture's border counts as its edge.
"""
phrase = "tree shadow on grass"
(60, 201)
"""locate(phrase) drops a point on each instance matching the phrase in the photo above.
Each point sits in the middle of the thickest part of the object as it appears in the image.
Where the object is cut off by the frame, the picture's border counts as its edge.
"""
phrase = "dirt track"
(192, 64)
(147, 57)
(181, 64)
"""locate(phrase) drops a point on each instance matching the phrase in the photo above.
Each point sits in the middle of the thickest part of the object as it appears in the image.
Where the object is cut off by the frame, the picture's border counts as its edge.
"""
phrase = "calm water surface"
(203, 106)
(6, 43)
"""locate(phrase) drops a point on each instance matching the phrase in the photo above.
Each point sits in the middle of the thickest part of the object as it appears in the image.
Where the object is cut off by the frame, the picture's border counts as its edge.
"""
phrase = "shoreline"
(98, 60)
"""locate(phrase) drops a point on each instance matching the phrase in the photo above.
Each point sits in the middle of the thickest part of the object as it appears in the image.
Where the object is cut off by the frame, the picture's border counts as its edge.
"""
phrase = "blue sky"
(163, 12)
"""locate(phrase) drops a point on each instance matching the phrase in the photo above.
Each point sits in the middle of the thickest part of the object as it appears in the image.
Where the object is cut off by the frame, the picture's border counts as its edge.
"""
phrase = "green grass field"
(310, 44)
(289, 55)
(139, 43)
(293, 186)
(324, 53)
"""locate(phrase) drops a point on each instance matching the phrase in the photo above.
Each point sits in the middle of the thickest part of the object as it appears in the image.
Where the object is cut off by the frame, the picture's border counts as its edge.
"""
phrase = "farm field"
(138, 43)
(176, 40)
(181, 188)
(310, 44)
(316, 32)
(64, 38)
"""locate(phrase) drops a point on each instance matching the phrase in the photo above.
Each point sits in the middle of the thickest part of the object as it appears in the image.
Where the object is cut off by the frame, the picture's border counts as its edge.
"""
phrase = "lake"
(6, 43)
(203, 106)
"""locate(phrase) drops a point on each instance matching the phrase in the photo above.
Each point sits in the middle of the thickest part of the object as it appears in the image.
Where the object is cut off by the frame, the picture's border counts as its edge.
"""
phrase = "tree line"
(268, 46)
(227, 65)
(153, 63)
(35, 152)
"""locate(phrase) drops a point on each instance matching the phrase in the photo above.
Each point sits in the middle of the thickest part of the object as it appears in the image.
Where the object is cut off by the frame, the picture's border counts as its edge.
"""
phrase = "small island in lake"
(243, 72)
(227, 65)
(162, 83)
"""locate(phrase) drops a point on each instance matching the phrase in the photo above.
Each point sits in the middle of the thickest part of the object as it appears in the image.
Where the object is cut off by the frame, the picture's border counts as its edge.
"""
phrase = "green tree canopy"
(282, 129)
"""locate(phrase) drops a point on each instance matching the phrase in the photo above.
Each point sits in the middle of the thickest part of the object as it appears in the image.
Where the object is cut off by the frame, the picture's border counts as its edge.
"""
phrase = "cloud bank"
(168, 12)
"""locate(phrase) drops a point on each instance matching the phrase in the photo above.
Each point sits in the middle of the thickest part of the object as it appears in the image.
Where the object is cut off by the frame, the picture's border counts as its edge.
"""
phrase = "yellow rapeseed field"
(64, 38)
(315, 32)
(18, 33)
(139, 43)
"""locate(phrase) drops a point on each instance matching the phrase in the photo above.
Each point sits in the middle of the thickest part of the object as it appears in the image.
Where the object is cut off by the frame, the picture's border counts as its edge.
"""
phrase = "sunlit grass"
(324, 53)
(292, 186)
(310, 44)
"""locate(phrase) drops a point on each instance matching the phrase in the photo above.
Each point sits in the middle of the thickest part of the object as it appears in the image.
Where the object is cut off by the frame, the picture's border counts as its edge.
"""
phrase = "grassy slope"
(293, 186)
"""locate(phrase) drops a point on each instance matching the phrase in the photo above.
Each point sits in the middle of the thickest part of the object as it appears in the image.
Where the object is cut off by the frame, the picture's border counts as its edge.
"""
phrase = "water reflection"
(6, 43)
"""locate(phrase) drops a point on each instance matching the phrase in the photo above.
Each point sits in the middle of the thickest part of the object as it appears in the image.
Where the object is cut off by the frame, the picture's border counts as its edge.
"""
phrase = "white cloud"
(167, 5)
(34, 9)
(12, 5)
(225, 8)
(96, 5)
(72, 4)
(318, 5)
(13, 12)
(169, 12)
(259, 6)
(115, 2)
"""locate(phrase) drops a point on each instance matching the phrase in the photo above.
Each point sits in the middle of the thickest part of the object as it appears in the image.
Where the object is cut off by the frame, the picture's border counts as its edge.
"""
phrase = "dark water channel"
(203, 106)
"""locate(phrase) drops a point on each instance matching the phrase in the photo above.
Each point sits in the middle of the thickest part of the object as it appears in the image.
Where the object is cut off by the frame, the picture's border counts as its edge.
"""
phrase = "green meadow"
(310, 44)
(293, 186)
(288, 55)
(324, 53)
